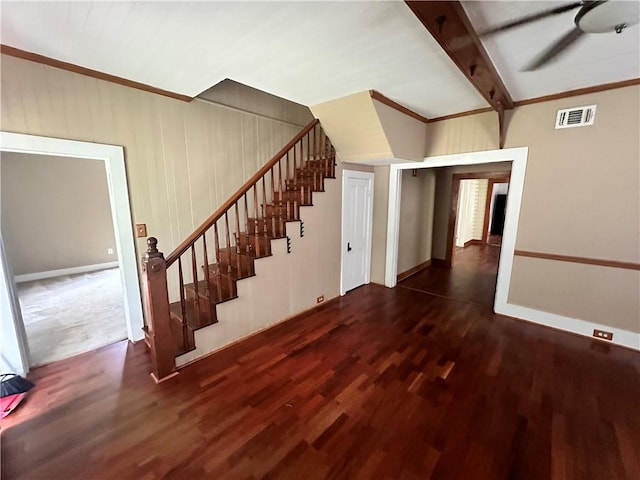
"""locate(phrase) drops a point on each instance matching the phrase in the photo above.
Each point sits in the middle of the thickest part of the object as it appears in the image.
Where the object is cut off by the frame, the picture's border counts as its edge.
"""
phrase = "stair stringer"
(284, 284)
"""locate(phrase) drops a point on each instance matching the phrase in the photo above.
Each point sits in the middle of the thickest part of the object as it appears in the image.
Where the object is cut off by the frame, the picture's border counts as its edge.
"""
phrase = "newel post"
(156, 302)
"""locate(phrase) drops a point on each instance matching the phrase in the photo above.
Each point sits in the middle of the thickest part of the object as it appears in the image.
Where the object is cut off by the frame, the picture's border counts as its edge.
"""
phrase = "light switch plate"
(141, 230)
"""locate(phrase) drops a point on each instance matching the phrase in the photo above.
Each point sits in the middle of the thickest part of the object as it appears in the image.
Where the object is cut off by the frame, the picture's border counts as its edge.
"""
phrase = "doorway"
(458, 205)
(470, 211)
(113, 158)
(58, 235)
(518, 157)
(357, 220)
(496, 211)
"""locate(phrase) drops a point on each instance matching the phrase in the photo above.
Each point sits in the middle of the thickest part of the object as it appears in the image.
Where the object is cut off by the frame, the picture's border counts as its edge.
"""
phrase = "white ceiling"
(309, 52)
(595, 60)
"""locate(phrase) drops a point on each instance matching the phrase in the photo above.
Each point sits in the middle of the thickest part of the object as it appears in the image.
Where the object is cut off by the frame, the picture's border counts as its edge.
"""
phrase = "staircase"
(205, 268)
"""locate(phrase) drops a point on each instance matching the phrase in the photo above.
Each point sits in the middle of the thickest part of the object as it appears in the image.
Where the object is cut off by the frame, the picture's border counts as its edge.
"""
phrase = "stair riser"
(273, 228)
(315, 173)
(302, 174)
(301, 196)
(237, 260)
(227, 286)
(246, 270)
(286, 212)
(207, 308)
(254, 245)
(315, 185)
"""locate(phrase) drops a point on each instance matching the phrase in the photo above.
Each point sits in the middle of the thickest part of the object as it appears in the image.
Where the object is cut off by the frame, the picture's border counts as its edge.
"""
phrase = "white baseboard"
(29, 277)
(621, 337)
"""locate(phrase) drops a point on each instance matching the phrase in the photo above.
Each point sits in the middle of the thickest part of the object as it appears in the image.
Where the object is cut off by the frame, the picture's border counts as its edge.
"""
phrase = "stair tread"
(285, 201)
(194, 321)
(236, 262)
(213, 292)
(232, 251)
(259, 243)
(225, 271)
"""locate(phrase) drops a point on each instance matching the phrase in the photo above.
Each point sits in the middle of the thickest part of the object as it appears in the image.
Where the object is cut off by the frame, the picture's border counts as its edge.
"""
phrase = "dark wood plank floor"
(381, 384)
(472, 278)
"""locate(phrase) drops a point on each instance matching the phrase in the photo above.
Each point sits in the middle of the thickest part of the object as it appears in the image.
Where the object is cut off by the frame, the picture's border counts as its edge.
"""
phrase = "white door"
(357, 218)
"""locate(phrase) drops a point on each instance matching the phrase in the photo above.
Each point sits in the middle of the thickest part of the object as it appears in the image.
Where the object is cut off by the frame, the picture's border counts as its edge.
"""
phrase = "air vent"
(576, 117)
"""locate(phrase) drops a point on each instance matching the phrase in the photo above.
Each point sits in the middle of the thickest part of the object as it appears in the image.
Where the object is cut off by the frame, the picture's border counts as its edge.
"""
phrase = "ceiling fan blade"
(531, 18)
(554, 50)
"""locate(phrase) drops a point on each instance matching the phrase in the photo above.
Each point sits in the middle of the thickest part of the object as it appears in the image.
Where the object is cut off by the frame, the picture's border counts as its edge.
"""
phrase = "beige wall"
(472, 133)
(50, 218)
(581, 198)
(602, 295)
(365, 130)
(405, 134)
(416, 219)
(582, 186)
(379, 227)
(285, 284)
(355, 130)
(355, 166)
(182, 159)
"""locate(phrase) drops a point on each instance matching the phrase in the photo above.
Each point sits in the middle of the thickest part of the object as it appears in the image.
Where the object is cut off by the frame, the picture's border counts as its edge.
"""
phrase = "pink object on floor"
(10, 402)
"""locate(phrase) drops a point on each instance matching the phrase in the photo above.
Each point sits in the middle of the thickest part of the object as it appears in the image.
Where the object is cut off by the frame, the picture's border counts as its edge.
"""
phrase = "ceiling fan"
(603, 16)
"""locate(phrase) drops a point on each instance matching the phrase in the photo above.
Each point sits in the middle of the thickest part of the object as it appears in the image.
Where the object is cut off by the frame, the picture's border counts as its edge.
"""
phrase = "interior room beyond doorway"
(60, 241)
(465, 211)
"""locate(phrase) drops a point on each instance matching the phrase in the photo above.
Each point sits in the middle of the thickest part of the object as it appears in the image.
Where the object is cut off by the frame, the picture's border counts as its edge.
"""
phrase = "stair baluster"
(301, 167)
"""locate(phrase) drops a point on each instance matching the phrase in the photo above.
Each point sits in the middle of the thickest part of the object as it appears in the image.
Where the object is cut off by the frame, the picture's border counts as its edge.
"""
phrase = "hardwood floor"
(380, 384)
(472, 278)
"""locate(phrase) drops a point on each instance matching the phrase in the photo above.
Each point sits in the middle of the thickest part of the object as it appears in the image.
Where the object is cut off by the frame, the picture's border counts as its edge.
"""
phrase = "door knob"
(348, 246)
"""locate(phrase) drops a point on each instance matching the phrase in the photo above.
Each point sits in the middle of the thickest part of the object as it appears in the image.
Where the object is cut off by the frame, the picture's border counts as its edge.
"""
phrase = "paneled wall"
(479, 207)
(284, 284)
(471, 133)
(182, 159)
(466, 212)
(471, 206)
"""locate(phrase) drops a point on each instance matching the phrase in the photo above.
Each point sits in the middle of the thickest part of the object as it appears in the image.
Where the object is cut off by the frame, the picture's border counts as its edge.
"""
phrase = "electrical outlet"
(320, 299)
(603, 335)
(109, 251)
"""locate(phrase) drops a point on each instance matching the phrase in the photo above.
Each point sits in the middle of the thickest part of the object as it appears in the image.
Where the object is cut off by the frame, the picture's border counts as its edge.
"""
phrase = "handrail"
(215, 216)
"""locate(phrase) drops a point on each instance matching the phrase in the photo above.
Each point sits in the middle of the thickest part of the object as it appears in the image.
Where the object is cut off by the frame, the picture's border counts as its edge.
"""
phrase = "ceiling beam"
(448, 23)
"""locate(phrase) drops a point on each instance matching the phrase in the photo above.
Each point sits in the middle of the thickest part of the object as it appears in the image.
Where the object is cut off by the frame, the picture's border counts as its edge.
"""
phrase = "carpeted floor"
(68, 315)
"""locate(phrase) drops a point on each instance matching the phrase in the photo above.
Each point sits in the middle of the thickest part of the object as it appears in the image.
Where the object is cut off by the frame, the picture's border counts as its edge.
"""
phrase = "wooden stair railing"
(234, 236)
